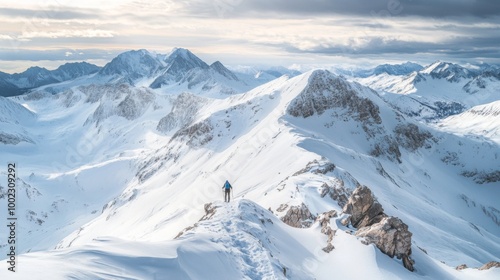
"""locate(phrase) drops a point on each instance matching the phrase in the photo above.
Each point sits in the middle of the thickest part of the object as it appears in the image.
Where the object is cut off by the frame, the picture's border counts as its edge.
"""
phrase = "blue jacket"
(227, 186)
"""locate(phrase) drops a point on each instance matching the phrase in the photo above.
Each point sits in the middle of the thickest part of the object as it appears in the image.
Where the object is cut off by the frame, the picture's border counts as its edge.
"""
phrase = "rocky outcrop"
(12, 139)
(486, 266)
(298, 216)
(410, 137)
(363, 208)
(195, 135)
(326, 91)
(326, 229)
(389, 234)
(337, 192)
(490, 265)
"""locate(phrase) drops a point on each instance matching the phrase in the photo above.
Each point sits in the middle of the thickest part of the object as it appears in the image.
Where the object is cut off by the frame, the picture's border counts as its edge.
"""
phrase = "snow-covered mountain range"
(18, 83)
(120, 173)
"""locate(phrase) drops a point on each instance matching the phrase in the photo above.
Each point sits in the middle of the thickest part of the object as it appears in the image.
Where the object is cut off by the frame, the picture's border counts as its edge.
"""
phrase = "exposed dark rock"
(298, 216)
(410, 137)
(210, 211)
(493, 264)
(196, 135)
(389, 234)
(363, 208)
(461, 267)
(482, 177)
(282, 207)
(338, 193)
(389, 147)
(11, 139)
(326, 91)
(324, 221)
(316, 167)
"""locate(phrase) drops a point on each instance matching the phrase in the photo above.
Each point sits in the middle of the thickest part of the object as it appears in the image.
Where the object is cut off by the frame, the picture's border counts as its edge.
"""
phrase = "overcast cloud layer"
(314, 32)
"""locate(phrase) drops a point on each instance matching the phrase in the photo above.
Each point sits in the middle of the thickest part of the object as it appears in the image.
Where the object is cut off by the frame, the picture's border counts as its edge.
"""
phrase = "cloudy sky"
(242, 32)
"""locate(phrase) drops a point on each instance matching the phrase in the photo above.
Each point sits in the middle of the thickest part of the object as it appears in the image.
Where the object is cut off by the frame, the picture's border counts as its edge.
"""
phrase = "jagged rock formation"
(298, 216)
(195, 135)
(324, 221)
(392, 237)
(363, 208)
(490, 265)
(411, 137)
(389, 234)
(10, 139)
(326, 91)
(337, 192)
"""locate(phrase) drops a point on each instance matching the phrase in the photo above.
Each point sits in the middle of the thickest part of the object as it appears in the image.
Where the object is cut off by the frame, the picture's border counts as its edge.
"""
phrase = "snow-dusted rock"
(492, 264)
(298, 216)
(326, 91)
(392, 237)
(363, 208)
(389, 234)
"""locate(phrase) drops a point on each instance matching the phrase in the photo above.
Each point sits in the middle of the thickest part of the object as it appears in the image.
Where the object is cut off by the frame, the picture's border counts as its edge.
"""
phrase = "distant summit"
(391, 69)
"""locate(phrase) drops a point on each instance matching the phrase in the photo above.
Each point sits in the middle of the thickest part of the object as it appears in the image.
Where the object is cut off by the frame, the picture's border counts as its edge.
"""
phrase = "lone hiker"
(227, 189)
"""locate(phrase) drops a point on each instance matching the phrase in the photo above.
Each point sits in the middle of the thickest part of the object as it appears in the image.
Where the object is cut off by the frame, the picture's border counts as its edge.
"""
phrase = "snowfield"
(123, 181)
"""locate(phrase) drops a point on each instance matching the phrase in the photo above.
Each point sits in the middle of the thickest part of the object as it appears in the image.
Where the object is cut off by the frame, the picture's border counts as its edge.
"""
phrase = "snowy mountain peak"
(449, 71)
(389, 69)
(221, 69)
(132, 65)
(397, 69)
(74, 70)
(184, 60)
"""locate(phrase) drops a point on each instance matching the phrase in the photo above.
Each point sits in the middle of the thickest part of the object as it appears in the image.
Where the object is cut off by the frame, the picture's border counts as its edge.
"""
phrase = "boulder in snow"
(363, 208)
(392, 237)
(298, 216)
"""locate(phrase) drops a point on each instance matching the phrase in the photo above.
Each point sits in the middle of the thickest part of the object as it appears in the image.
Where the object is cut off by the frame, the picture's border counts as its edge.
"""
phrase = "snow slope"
(479, 121)
(124, 186)
(239, 241)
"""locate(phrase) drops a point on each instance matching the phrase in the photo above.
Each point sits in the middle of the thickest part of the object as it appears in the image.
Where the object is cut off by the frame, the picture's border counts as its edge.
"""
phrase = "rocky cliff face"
(325, 91)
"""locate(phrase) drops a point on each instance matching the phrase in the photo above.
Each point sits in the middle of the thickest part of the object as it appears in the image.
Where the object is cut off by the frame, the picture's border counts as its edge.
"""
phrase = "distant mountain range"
(178, 70)
(33, 77)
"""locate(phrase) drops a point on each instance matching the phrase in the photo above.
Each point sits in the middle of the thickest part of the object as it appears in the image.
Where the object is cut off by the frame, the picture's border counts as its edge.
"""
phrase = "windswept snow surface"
(240, 241)
(105, 188)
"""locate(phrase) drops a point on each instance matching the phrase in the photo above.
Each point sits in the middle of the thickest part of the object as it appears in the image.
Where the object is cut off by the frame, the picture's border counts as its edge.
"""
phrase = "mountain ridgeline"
(391, 174)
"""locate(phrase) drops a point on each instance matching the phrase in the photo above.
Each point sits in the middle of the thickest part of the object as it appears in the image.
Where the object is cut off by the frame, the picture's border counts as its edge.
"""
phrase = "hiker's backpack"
(227, 185)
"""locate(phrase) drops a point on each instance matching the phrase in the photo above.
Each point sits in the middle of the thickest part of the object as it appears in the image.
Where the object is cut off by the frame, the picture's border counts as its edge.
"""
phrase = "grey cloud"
(376, 8)
(60, 54)
(466, 48)
(58, 13)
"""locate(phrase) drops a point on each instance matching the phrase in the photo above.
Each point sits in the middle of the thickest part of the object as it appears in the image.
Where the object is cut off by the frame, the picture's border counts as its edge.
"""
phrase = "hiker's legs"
(226, 196)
